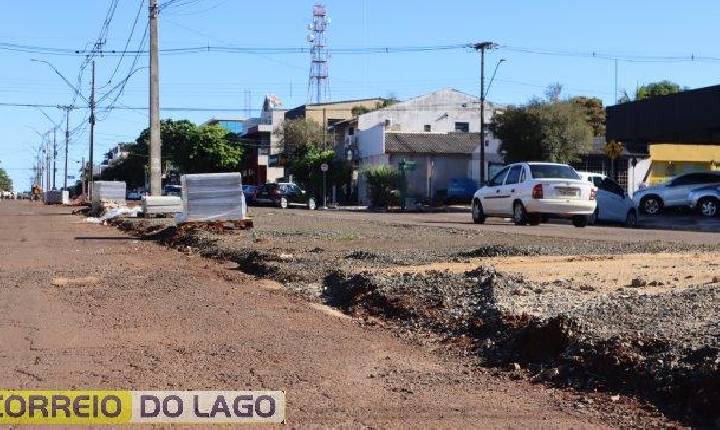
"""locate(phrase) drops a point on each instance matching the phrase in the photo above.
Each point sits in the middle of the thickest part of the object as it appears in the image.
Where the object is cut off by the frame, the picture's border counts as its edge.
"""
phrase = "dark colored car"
(461, 190)
(249, 192)
(284, 195)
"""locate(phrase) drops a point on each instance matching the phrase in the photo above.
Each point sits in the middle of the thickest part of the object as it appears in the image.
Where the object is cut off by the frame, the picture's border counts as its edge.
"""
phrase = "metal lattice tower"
(318, 85)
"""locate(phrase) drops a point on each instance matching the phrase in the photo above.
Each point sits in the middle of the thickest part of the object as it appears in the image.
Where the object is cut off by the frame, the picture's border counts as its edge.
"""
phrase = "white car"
(532, 192)
(652, 200)
(613, 203)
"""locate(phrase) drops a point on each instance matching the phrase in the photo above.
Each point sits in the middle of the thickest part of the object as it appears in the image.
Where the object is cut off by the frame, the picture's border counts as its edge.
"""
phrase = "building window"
(462, 127)
(428, 128)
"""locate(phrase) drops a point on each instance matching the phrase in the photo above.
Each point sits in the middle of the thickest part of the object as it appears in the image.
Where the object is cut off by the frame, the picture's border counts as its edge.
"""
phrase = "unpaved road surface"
(84, 306)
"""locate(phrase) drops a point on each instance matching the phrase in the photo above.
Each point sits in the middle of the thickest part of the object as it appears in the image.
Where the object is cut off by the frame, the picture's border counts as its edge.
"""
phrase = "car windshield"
(553, 171)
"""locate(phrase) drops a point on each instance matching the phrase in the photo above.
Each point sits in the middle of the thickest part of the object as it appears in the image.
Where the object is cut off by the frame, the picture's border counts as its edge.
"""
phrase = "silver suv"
(652, 200)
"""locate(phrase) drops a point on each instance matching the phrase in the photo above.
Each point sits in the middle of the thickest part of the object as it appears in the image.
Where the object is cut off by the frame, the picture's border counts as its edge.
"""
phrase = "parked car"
(532, 192)
(592, 177)
(249, 192)
(705, 200)
(461, 190)
(172, 190)
(653, 200)
(614, 205)
(133, 195)
(284, 195)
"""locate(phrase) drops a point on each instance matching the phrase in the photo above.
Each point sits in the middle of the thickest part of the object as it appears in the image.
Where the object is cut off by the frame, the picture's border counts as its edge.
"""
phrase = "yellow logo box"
(88, 407)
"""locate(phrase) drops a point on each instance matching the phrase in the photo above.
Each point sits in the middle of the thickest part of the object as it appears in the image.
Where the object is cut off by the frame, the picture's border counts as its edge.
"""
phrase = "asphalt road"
(84, 306)
(556, 229)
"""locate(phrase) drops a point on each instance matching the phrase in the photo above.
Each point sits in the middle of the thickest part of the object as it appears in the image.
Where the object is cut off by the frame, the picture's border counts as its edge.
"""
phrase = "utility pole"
(92, 134)
(616, 81)
(67, 110)
(155, 166)
(482, 47)
(47, 166)
(54, 157)
(83, 175)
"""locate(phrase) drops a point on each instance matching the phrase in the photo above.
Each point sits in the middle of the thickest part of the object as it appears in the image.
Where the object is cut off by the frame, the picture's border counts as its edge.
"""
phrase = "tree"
(553, 92)
(5, 181)
(296, 135)
(550, 131)
(187, 148)
(661, 88)
(594, 113)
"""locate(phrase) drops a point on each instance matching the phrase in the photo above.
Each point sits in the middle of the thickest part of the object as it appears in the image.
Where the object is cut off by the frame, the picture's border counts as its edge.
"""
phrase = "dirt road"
(85, 306)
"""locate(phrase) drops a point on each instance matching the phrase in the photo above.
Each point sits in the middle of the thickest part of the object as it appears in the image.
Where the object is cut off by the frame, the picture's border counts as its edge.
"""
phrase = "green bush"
(383, 183)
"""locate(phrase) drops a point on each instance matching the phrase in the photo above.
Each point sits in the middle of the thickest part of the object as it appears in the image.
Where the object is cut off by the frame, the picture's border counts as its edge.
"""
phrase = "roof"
(432, 143)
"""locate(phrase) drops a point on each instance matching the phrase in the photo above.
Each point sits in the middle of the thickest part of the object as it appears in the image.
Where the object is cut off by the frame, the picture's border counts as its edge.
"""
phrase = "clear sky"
(633, 29)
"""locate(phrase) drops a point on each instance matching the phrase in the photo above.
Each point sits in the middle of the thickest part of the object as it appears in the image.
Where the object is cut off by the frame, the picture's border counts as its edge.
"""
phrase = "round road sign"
(324, 167)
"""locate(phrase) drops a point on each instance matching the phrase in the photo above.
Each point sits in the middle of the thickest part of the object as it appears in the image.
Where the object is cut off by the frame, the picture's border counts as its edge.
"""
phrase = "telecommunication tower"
(318, 86)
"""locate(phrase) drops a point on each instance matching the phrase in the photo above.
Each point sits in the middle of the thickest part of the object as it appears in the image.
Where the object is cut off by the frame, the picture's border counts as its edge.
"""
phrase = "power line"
(229, 49)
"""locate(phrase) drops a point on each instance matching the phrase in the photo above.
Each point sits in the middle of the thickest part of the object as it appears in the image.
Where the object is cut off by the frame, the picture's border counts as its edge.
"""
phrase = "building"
(262, 144)
(677, 133)
(331, 113)
(234, 125)
(440, 131)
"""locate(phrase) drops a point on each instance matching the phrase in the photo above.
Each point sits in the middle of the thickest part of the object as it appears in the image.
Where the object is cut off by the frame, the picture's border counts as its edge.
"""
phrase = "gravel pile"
(663, 347)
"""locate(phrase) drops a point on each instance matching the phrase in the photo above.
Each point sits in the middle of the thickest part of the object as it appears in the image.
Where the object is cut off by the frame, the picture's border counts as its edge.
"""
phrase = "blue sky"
(221, 80)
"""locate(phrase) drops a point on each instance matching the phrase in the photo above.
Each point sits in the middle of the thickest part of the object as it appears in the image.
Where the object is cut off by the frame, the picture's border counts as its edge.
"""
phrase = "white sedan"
(532, 192)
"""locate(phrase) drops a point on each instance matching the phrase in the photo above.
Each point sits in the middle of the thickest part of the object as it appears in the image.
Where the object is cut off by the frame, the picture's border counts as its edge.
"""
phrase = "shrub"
(383, 183)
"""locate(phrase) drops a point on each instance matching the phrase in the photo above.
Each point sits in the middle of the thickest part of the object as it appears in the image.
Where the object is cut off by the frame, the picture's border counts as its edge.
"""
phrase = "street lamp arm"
(57, 72)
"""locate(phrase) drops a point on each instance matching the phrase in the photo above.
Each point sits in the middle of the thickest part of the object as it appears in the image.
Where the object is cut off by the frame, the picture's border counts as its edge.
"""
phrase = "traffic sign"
(324, 167)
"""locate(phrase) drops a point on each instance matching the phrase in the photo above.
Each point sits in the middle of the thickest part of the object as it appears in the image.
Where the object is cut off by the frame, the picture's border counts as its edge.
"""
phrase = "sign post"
(324, 168)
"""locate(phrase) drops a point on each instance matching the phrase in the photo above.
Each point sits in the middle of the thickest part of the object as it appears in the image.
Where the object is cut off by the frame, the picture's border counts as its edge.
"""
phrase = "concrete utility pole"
(92, 134)
(155, 166)
(482, 47)
(54, 157)
(47, 166)
(67, 110)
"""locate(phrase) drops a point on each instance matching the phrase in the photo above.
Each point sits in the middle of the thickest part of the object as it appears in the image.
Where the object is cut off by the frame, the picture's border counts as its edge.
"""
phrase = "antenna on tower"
(318, 85)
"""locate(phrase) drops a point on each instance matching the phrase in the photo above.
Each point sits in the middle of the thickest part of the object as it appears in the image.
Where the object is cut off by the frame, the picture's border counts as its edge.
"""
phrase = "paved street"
(86, 306)
(555, 229)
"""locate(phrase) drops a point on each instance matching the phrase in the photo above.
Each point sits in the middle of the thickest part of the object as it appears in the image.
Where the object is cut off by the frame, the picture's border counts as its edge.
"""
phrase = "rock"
(638, 283)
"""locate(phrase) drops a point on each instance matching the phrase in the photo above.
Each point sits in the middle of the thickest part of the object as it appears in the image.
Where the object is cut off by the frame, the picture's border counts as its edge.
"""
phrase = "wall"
(670, 160)
(371, 141)
(440, 110)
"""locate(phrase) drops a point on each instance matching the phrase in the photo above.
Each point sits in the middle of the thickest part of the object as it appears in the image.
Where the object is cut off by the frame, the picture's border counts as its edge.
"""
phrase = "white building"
(439, 131)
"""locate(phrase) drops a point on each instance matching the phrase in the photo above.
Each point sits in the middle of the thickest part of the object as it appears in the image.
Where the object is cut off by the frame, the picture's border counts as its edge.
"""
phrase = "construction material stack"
(57, 198)
(161, 205)
(210, 197)
(108, 195)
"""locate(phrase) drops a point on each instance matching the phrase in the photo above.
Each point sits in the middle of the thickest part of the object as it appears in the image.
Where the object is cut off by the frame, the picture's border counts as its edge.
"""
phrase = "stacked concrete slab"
(213, 197)
(57, 198)
(160, 205)
(108, 193)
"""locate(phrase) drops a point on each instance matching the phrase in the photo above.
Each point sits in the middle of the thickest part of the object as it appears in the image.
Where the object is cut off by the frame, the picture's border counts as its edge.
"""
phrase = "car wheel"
(311, 204)
(478, 215)
(708, 206)
(594, 217)
(283, 203)
(519, 214)
(631, 220)
(651, 205)
(580, 220)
